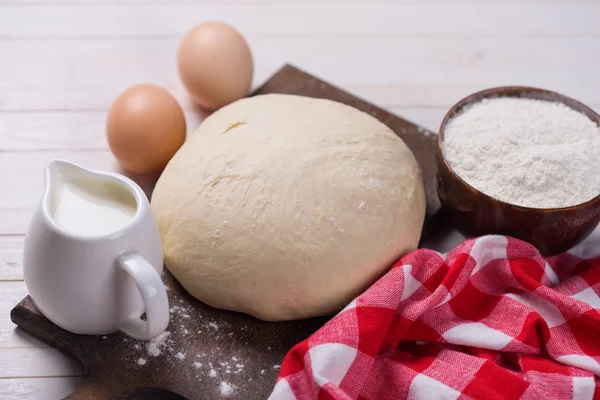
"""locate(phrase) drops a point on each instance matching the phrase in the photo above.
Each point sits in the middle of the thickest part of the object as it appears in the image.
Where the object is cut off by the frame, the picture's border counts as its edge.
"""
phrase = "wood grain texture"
(64, 57)
(85, 131)
(173, 20)
(401, 97)
(51, 362)
(388, 3)
(11, 257)
(483, 60)
(203, 341)
(38, 388)
(14, 221)
(10, 294)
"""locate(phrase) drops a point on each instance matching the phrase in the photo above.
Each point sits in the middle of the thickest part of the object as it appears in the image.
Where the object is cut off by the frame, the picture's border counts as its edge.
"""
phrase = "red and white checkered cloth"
(491, 319)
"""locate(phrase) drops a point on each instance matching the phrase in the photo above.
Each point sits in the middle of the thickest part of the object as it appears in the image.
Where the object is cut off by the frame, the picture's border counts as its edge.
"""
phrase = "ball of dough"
(287, 207)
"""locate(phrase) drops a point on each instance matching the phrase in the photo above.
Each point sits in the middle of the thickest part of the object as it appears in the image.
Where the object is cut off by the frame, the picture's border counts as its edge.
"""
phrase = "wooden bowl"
(473, 213)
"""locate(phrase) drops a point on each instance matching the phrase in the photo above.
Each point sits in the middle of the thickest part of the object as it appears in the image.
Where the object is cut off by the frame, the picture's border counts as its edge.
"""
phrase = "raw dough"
(286, 207)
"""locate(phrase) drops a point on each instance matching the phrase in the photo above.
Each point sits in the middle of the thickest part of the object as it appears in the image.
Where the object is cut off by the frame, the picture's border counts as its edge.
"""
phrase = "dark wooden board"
(213, 337)
(243, 351)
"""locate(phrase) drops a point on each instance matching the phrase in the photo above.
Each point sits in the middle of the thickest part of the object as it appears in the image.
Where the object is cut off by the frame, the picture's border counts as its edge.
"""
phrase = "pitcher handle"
(154, 296)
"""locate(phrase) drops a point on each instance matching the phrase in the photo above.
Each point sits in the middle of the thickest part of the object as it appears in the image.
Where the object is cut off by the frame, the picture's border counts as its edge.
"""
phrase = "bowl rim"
(501, 91)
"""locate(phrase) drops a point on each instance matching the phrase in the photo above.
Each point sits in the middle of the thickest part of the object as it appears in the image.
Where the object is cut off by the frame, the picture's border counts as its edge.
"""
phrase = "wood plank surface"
(38, 388)
(173, 20)
(11, 258)
(346, 3)
(10, 294)
(85, 131)
(397, 96)
(538, 61)
(63, 62)
(43, 362)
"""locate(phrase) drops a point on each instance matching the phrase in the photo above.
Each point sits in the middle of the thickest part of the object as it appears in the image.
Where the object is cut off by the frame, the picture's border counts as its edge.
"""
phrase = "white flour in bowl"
(531, 153)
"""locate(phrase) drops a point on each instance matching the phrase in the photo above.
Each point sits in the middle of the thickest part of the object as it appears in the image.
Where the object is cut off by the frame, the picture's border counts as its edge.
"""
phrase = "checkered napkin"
(491, 319)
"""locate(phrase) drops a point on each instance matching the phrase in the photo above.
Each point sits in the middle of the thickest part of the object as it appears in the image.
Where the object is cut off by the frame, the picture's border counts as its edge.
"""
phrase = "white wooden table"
(63, 62)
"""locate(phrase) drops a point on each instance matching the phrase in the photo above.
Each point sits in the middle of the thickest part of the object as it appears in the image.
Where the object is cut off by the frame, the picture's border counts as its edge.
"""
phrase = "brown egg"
(145, 127)
(215, 64)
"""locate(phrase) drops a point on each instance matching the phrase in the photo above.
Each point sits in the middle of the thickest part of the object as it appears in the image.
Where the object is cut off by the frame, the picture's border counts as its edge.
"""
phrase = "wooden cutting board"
(210, 353)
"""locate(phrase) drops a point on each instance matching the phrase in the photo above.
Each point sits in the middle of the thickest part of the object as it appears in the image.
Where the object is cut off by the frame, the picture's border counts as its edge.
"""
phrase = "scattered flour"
(363, 206)
(374, 183)
(336, 225)
(169, 345)
(527, 152)
(226, 389)
(425, 132)
(156, 344)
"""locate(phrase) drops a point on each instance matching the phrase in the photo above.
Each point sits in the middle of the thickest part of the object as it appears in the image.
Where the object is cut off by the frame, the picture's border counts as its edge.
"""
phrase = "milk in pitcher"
(92, 208)
(92, 256)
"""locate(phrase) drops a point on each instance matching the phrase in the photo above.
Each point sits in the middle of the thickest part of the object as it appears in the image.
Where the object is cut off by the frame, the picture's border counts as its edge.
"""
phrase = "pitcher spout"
(61, 170)
(57, 173)
(83, 203)
(52, 173)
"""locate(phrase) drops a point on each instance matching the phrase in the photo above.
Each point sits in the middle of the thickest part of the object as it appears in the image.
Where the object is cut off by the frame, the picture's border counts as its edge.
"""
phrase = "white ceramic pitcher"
(93, 257)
